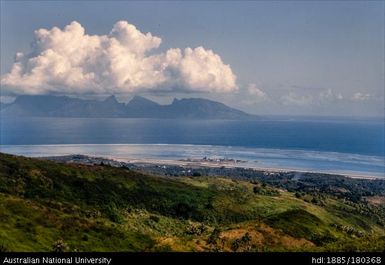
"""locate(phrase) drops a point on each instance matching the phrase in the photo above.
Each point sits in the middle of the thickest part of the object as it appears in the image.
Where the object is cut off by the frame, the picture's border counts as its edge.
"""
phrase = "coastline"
(155, 165)
(259, 159)
(229, 165)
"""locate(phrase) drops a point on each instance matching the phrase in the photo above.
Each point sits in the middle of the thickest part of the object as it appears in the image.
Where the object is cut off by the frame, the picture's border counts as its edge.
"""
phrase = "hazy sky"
(284, 57)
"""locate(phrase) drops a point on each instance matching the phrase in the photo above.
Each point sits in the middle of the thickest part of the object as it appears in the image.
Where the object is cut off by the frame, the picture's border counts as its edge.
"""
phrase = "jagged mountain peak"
(139, 100)
(111, 99)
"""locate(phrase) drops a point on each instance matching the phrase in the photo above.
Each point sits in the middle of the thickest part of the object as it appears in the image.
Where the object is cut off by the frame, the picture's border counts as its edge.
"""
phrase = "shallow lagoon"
(346, 146)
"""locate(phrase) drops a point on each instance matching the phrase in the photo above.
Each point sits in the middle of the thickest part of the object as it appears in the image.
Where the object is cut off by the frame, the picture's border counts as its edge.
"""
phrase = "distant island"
(137, 107)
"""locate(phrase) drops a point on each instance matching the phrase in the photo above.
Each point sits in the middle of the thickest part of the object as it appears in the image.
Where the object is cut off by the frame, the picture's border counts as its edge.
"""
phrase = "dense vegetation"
(50, 206)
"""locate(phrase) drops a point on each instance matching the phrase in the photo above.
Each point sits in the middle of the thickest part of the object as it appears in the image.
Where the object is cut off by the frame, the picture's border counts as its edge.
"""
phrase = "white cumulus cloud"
(69, 61)
(255, 91)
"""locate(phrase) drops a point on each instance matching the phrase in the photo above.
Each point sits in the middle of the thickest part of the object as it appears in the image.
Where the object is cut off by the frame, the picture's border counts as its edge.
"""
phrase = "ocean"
(327, 145)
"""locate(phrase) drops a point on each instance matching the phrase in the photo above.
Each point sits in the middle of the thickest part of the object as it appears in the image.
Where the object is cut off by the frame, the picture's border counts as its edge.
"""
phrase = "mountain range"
(137, 107)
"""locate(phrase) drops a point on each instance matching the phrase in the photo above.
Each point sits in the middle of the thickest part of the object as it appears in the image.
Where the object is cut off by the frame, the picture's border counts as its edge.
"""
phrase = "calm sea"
(344, 145)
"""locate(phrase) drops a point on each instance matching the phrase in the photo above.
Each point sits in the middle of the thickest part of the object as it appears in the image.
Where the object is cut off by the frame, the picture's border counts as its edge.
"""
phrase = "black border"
(208, 258)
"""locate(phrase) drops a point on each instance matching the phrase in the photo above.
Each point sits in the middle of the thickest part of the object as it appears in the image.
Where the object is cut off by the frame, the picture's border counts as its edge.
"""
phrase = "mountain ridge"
(110, 107)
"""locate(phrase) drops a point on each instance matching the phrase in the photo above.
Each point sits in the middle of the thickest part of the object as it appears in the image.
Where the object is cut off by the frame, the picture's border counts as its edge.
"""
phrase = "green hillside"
(49, 206)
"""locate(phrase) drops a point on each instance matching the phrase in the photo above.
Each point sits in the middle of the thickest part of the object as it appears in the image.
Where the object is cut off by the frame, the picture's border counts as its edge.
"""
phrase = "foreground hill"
(46, 206)
(138, 107)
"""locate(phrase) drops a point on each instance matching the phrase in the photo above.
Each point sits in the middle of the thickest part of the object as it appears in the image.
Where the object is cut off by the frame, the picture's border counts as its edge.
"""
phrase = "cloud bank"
(69, 61)
(256, 92)
(358, 96)
(302, 96)
(295, 99)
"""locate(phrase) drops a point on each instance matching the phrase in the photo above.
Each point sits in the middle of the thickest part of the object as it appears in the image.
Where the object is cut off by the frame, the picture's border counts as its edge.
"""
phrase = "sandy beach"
(230, 164)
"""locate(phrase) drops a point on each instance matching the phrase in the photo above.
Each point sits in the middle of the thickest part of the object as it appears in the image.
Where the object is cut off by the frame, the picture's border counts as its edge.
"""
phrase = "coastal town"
(183, 167)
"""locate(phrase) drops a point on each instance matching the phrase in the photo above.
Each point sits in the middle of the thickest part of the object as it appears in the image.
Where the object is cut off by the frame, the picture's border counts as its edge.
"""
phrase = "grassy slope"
(96, 208)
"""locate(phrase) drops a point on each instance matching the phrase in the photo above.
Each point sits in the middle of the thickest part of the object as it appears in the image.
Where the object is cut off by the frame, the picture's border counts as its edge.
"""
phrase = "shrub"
(154, 218)
(246, 238)
(60, 246)
(235, 244)
(112, 213)
(214, 236)
(195, 229)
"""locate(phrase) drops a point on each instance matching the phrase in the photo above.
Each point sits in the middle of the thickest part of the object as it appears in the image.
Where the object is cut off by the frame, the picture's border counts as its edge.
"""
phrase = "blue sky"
(302, 58)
